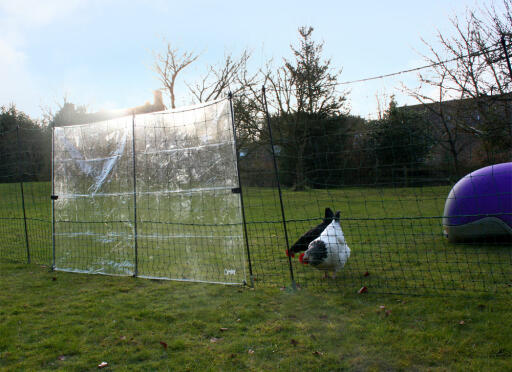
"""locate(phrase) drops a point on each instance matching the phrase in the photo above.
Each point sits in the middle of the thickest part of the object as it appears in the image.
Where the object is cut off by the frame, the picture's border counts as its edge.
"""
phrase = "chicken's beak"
(303, 259)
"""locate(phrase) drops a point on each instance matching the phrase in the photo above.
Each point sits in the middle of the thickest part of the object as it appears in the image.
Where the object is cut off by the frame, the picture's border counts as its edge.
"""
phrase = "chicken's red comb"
(301, 259)
(288, 254)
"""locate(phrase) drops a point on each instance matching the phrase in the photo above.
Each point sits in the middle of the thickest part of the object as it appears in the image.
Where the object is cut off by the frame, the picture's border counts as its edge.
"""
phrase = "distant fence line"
(170, 195)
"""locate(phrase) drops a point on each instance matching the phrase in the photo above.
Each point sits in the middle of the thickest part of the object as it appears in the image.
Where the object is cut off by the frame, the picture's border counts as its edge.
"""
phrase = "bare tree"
(383, 100)
(281, 89)
(473, 85)
(231, 74)
(448, 130)
(168, 65)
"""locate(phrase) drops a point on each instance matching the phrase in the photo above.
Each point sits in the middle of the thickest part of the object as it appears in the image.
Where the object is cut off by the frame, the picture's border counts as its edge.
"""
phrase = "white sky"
(100, 52)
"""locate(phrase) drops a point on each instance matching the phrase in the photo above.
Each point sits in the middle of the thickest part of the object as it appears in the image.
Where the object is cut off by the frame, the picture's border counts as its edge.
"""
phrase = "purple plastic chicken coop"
(479, 206)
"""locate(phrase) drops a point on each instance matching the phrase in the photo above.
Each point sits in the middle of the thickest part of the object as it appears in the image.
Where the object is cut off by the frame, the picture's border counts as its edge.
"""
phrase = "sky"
(100, 53)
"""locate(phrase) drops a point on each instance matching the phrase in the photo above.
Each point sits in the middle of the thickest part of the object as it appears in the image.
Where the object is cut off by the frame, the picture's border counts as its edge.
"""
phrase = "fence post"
(294, 286)
(135, 232)
(20, 174)
(251, 277)
(53, 197)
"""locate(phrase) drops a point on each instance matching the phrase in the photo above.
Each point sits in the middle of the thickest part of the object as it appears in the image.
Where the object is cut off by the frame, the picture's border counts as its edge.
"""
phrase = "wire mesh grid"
(93, 212)
(392, 197)
(186, 206)
(151, 196)
(190, 218)
(24, 208)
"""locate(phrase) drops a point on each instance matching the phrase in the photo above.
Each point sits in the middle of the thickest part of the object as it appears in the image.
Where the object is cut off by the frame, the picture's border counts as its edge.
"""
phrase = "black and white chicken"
(303, 242)
(330, 251)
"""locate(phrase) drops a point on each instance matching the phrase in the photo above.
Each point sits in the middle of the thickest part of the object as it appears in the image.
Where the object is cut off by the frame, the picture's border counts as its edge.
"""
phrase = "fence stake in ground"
(53, 197)
(294, 286)
(251, 278)
(20, 174)
(135, 237)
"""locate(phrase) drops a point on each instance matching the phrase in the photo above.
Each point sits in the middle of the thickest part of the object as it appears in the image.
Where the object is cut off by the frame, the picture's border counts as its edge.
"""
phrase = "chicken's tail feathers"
(329, 215)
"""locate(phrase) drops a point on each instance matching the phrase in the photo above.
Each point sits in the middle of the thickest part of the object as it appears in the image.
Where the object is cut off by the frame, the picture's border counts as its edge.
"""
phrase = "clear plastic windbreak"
(94, 212)
(189, 222)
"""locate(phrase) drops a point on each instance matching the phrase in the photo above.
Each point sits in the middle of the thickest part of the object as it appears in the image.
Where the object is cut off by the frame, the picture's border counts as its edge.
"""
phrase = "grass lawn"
(58, 320)
(395, 235)
(72, 322)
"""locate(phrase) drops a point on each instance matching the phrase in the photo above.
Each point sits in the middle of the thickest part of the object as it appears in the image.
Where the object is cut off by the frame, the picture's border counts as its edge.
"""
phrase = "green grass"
(38, 213)
(395, 235)
(64, 321)
(71, 322)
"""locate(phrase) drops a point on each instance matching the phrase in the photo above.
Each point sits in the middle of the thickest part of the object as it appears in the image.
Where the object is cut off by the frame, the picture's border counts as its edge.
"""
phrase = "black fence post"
(21, 172)
(251, 277)
(135, 232)
(507, 58)
(283, 217)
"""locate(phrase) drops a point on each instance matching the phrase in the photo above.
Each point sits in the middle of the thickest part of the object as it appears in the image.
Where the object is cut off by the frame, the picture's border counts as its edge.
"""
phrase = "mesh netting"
(25, 223)
(150, 195)
(183, 207)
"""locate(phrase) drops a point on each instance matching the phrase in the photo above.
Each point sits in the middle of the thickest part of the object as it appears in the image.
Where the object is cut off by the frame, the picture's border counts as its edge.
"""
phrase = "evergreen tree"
(24, 147)
(311, 123)
(313, 79)
(401, 140)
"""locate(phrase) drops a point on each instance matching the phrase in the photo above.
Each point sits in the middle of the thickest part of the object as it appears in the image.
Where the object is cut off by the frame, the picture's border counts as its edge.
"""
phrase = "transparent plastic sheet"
(189, 223)
(93, 179)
